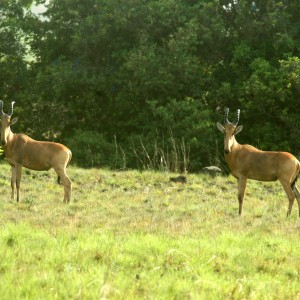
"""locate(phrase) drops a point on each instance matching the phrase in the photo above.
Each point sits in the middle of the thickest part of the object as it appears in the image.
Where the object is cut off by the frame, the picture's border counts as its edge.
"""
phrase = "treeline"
(142, 83)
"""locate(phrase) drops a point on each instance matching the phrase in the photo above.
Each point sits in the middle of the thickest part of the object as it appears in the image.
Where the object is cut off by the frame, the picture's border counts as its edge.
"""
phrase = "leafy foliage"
(129, 71)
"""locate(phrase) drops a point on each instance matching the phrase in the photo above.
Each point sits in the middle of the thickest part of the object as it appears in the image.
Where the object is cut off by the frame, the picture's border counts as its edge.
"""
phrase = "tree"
(132, 77)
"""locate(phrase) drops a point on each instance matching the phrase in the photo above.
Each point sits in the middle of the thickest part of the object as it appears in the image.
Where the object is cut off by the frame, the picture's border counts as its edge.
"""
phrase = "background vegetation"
(141, 83)
(136, 235)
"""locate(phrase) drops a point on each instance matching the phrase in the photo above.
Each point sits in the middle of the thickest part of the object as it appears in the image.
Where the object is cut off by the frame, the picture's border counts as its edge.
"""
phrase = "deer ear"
(220, 127)
(238, 129)
(14, 120)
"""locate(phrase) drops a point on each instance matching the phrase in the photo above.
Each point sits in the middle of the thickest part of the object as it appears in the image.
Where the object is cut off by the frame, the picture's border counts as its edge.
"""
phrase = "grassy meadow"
(136, 235)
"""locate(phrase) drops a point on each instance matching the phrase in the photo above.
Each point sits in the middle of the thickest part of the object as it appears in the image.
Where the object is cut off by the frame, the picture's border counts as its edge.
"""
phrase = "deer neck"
(9, 139)
(235, 145)
(230, 157)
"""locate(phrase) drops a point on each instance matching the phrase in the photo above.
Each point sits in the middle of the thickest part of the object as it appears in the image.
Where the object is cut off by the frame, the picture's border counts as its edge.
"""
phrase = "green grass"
(135, 235)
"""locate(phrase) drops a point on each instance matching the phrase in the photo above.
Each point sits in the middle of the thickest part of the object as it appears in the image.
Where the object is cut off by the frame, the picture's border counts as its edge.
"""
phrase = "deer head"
(230, 130)
(6, 122)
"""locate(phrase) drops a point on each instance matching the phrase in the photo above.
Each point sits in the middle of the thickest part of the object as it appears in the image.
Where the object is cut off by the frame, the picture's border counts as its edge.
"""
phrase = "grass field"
(135, 235)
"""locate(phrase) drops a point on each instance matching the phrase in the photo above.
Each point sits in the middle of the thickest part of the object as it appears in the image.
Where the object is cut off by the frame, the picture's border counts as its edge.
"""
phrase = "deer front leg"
(18, 171)
(13, 181)
(242, 181)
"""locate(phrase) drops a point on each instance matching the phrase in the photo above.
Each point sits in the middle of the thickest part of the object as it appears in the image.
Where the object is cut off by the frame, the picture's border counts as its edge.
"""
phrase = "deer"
(22, 151)
(247, 162)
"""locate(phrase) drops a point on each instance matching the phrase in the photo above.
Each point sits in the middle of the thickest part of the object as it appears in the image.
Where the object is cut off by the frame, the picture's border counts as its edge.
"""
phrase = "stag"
(247, 162)
(22, 151)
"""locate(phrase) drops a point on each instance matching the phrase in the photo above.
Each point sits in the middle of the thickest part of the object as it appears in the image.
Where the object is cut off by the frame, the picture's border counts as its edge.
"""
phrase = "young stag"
(21, 150)
(247, 162)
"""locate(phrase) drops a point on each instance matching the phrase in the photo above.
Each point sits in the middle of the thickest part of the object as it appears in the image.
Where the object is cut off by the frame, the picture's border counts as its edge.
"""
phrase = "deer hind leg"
(242, 181)
(297, 194)
(66, 183)
(288, 189)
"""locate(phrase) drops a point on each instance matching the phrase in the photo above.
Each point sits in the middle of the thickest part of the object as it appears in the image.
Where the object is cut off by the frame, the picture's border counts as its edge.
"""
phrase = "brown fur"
(21, 150)
(247, 162)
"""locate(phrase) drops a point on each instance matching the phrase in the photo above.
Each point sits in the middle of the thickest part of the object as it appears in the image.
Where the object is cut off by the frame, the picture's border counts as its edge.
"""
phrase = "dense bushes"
(141, 84)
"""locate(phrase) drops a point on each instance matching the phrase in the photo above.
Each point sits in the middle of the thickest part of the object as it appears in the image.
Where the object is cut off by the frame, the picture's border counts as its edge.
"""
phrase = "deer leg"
(66, 183)
(297, 194)
(18, 171)
(13, 181)
(288, 189)
(242, 181)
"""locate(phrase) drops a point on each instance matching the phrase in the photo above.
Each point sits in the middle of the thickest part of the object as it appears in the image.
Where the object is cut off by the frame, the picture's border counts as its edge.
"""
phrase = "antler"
(226, 115)
(1, 107)
(238, 116)
(11, 109)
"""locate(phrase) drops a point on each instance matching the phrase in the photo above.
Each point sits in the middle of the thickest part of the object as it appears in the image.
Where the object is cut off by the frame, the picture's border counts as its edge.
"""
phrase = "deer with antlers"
(22, 151)
(247, 162)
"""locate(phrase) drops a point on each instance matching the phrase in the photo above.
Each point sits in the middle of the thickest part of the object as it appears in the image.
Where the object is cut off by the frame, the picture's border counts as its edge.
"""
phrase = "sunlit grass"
(136, 235)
